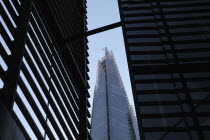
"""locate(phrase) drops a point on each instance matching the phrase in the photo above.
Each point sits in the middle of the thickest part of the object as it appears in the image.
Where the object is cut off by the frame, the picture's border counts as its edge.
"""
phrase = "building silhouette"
(112, 116)
(168, 51)
(43, 74)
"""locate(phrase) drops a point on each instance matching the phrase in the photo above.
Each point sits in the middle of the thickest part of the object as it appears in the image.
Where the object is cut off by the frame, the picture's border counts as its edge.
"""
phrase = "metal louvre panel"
(53, 75)
(43, 88)
(71, 26)
(58, 69)
(167, 44)
(51, 85)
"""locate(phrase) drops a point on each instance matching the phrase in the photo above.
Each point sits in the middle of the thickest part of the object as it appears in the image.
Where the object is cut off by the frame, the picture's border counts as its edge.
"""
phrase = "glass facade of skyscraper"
(168, 51)
(112, 118)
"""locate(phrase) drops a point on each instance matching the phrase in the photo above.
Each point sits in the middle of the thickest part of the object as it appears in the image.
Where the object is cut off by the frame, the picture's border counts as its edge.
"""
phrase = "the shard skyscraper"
(112, 116)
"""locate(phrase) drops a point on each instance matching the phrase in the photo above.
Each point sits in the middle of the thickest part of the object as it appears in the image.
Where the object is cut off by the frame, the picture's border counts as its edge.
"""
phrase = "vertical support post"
(13, 73)
(83, 96)
(83, 116)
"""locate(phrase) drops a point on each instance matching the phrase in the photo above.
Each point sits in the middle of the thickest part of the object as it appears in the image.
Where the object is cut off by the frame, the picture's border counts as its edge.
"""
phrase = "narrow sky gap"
(8, 14)
(51, 127)
(3, 64)
(6, 48)
(39, 43)
(19, 2)
(28, 85)
(34, 78)
(66, 72)
(6, 28)
(41, 32)
(38, 54)
(23, 121)
(66, 84)
(56, 119)
(67, 100)
(16, 12)
(112, 39)
(28, 106)
(1, 84)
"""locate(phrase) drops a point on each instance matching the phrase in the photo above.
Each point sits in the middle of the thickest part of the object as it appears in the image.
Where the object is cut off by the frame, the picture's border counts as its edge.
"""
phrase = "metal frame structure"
(167, 46)
(43, 78)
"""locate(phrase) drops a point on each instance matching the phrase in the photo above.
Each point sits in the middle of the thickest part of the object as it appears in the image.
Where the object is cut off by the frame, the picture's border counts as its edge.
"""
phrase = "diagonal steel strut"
(95, 31)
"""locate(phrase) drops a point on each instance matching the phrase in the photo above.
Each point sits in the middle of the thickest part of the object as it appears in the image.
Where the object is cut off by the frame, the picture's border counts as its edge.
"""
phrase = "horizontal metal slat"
(169, 27)
(171, 34)
(67, 55)
(180, 19)
(191, 50)
(2, 74)
(201, 11)
(55, 94)
(36, 109)
(173, 68)
(53, 64)
(175, 129)
(17, 6)
(11, 11)
(197, 79)
(88, 124)
(58, 15)
(170, 60)
(40, 98)
(168, 42)
(195, 5)
(20, 125)
(3, 53)
(178, 114)
(171, 91)
(28, 117)
(5, 36)
(57, 85)
(53, 51)
(146, 2)
(168, 103)
(7, 20)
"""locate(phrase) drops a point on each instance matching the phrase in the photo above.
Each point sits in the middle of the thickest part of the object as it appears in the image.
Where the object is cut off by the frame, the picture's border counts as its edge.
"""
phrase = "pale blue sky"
(101, 13)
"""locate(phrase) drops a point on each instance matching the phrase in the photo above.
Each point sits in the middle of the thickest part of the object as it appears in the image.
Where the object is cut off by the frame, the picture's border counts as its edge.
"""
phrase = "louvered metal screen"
(37, 81)
(168, 49)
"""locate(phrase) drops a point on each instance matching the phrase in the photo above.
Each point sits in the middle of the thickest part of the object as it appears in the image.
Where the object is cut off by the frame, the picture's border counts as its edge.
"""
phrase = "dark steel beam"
(9, 91)
(104, 28)
(170, 91)
(95, 31)
(177, 114)
(173, 68)
(175, 129)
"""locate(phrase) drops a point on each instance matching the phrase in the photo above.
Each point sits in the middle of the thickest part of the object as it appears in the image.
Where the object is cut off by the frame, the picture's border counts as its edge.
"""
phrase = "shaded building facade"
(168, 51)
(43, 77)
(112, 117)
